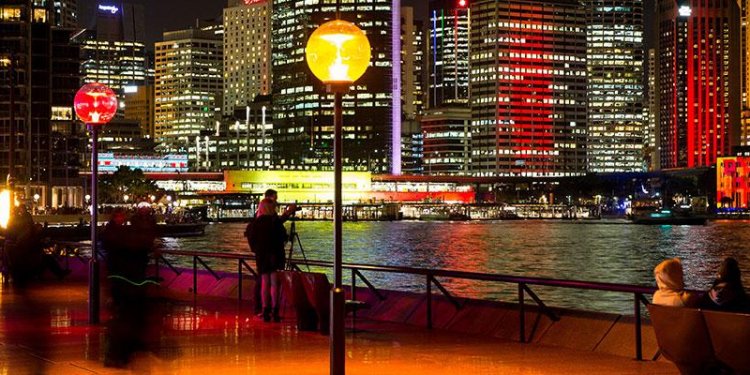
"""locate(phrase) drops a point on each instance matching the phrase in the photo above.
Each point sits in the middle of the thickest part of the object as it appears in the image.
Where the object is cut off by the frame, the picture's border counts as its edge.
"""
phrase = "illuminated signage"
(684, 11)
(109, 8)
(251, 2)
(109, 162)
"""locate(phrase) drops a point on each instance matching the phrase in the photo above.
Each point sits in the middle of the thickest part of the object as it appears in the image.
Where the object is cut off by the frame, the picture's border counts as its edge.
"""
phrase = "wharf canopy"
(358, 187)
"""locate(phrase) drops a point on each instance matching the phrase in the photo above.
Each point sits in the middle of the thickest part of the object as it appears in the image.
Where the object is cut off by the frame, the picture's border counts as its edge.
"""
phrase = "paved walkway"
(45, 332)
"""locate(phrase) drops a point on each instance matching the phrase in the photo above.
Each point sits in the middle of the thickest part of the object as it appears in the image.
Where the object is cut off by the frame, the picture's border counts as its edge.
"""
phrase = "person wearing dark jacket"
(267, 239)
(727, 292)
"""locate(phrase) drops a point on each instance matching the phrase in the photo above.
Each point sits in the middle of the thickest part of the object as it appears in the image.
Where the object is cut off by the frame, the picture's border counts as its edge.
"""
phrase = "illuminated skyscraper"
(247, 52)
(65, 13)
(650, 137)
(699, 81)
(450, 27)
(412, 64)
(189, 86)
(745, 71)
(303, 112)
(614, 40)
(528, 88)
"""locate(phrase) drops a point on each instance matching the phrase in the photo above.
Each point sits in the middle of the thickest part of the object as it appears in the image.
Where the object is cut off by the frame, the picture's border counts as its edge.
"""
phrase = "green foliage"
(126, 181)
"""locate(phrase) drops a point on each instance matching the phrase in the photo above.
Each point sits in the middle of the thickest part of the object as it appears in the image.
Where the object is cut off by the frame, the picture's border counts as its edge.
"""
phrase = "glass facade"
(303, 112)
(528, 88)
(614, 56)
(449, 40)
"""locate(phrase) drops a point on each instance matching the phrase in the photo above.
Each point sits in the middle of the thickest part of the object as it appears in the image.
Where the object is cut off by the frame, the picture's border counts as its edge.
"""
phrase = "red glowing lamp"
(95, 104)
(462, 3)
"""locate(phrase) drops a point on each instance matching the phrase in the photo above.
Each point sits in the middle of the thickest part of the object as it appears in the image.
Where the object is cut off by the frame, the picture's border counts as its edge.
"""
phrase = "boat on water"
(163, 230)
(669, 217)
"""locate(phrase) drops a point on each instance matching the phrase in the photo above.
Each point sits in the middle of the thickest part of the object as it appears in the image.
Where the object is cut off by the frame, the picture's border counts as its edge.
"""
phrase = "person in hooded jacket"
(727, 292)
(267, 239)
(669, 279)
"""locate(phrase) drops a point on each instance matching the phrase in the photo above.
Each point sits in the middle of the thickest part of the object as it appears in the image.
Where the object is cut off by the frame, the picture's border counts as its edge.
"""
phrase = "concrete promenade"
(45, 331)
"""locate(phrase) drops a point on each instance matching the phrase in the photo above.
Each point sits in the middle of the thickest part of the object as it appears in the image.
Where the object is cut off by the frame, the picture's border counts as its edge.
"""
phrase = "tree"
(126, 181)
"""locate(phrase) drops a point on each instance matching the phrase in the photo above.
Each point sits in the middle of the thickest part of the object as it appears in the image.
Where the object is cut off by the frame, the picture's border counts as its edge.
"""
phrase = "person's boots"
(276, 317)
(266, 314)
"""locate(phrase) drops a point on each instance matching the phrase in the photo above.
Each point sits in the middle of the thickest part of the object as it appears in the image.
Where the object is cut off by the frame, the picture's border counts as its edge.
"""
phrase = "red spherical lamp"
(95, 104)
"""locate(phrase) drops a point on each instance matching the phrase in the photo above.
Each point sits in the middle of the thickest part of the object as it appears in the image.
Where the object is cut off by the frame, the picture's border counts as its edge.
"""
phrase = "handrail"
(430, 275)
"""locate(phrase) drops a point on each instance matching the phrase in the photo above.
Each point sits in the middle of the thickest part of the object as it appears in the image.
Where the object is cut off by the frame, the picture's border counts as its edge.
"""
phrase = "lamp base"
(338, 87)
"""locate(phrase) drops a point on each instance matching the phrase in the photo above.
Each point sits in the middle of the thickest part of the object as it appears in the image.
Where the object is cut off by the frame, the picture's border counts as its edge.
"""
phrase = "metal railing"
(431, 276)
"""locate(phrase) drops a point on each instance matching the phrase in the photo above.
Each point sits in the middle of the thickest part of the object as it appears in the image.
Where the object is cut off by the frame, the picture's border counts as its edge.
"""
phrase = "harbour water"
(608, 251)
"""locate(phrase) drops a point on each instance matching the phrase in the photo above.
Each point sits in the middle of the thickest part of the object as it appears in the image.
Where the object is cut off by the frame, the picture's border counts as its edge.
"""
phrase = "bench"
(700, 341)
(309, 294)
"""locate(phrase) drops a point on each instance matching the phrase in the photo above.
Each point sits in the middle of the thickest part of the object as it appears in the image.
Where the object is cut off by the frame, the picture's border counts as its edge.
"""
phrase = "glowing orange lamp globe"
(95, 104)
(338, 52)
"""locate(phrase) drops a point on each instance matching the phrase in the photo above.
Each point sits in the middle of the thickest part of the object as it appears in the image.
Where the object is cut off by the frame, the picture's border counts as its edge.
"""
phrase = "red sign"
(95, 104)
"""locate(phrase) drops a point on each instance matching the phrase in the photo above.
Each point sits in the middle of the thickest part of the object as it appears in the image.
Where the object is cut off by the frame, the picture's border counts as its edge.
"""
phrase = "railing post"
(637, 312)
(354, 286)
(429, 301)
(521, 315)
(195, 275)
(239, 280)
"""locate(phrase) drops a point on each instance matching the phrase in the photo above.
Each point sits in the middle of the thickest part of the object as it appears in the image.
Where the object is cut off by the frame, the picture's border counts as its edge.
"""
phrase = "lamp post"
(338, 53)
(95, 104)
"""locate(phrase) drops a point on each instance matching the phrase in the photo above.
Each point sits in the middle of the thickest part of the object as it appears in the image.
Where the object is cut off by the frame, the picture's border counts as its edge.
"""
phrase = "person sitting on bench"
(669, 279)
(727, 292)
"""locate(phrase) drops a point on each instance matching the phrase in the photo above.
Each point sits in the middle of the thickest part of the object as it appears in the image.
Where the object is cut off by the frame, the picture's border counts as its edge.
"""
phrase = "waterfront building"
(241, 141)
(189, 87)
(449, 43)
(614, 62)
(247, 52)
(48, 141)
(732, 184)
(113, 52)
(528, 88)
(303, 112)
(412, 64)
(745, 72)
(699, 81)
(446, 134)
(139, 106)
(412, 147)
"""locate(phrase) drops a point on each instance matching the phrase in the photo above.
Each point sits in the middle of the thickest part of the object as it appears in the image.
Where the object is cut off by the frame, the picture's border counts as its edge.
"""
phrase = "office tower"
(412, 64)
(65, 13)
(40, 64)
(139, 106)
(650, 136)
(113, 52)
(449, 40)
(614, 40)
(247, 52)
(699, 81)
(447, 140)
(303, 112)
(528, 88)
(745, 72)
(411, 147)
(189, 86)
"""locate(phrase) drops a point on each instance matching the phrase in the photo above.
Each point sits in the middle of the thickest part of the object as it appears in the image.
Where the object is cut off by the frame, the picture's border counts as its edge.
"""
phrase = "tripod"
(294, 237)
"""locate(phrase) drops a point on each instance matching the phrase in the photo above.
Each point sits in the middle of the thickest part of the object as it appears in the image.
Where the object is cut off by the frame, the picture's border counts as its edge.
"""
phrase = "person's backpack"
(248, 233)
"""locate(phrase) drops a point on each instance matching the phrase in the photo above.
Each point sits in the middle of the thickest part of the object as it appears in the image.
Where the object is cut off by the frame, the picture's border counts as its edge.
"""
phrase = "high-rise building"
(528, 88)
(247, 52)
(699, 81)
(113, 52)
(449, 40)
(38, 80)
(65, 13)
(614, 40)
(446, 135)
(189, 86)
(651, 111)
(745, 71)
(303, 112)
(412, 64)
(139, 106)
(411, 147)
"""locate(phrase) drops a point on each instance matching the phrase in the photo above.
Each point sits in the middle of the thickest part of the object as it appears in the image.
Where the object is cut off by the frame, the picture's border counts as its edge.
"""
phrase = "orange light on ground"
(338, 52)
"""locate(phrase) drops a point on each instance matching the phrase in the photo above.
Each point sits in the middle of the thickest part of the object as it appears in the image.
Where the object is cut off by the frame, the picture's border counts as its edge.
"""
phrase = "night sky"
(169, 15)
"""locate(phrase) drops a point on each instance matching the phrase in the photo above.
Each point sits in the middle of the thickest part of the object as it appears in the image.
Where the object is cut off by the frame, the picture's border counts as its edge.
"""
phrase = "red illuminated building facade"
(699, 81)
(733, 182)
(528, 88)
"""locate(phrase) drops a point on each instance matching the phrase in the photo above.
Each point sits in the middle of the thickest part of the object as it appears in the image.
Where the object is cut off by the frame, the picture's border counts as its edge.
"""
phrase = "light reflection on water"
(607, 251)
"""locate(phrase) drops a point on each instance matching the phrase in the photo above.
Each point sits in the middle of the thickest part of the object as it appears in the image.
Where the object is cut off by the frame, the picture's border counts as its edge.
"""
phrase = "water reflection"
(608, 252)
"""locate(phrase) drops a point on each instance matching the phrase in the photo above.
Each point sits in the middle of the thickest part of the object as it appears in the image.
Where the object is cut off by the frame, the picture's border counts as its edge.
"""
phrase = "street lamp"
(338, 53)
(95, 104)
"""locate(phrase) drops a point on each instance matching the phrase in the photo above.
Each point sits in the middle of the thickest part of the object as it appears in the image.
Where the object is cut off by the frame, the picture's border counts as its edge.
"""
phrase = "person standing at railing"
(669, 279)
(727, 292)
(267, 239)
